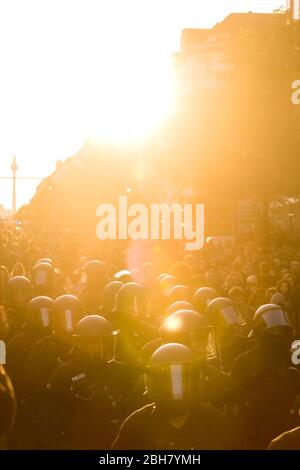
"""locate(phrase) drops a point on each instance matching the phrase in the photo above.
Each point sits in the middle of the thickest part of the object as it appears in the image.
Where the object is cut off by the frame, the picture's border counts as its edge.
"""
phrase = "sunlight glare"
(127, 106)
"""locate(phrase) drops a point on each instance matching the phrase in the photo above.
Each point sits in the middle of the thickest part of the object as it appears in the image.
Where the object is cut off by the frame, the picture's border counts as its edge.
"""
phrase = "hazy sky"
(64, 62)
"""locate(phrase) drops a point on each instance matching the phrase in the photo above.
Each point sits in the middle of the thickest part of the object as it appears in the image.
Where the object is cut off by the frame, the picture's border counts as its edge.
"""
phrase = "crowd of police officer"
(195, 357)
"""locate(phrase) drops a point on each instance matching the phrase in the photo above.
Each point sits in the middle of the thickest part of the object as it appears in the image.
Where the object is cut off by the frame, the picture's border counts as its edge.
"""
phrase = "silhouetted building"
(202, 54)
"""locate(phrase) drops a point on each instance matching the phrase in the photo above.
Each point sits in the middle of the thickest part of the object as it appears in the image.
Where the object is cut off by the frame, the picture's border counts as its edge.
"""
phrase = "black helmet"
(18, 282)
(160, 277)
(166, 283)
(95, 336)
(123, 276)
(66, 313)
(192, 329)
(180, 292)
(223, 312)
(130, 300)
(173, 374)
(45, 260)
(109, 295)
(270, 318)
(43, 277)
(179, 305)
(96, 272)
(39, 312)
(203, 296)
(19, 291)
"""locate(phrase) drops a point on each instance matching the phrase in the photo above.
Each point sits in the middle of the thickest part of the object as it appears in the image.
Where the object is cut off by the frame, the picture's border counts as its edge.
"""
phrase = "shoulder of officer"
(289, 440)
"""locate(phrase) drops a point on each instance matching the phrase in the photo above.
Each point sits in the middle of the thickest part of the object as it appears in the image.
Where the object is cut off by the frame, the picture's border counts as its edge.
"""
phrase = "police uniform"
(269, 382)
(268, 394)
(205, 428)
(86, 402)
(18, 350)
(45, 356)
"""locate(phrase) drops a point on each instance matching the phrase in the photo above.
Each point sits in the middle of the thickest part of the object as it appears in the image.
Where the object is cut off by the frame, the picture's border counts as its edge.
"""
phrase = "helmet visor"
(110, 302)
(275, 318)
(69, 320)
(131, 306)
(231, 316)
(41, 318)
(65, 321)
(172, 382)
(45, 317)
(202, 342)
(100, 348)
(20, 298)
(41, 277)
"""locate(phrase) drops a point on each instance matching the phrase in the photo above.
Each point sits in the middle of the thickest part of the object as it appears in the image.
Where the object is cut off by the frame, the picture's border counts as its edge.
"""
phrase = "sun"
(129, 104)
